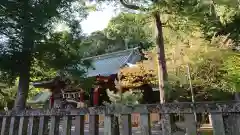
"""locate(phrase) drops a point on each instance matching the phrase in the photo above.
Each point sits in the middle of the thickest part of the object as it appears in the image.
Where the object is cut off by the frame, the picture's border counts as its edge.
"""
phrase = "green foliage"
(126, 28)
(54, 50)
(215, 17)
(62, 52)
(200, 34)
(8, 94)
(126, 98)
(132, 27)
(192, 33)
(96, 43)
(27, 27)
(232, 67)
(213, 70)
(41, 71)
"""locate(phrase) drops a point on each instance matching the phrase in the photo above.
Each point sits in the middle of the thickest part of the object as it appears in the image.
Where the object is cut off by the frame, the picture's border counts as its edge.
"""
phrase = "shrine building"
(105, 69)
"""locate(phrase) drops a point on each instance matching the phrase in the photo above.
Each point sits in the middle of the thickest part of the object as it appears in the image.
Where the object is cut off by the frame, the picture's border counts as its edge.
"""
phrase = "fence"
(135, 117)
(225, 119)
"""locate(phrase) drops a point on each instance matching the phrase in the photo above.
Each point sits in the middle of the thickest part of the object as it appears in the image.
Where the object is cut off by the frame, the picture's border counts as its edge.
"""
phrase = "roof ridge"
(110, 54)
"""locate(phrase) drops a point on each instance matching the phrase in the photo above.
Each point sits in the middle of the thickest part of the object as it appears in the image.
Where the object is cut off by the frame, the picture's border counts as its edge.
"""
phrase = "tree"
(133, 5)
(214, 70)
(27, 26)
(131, 28)
(96, 44)
(183, 18)
(214, 17)
(162, 74)
(124, 31)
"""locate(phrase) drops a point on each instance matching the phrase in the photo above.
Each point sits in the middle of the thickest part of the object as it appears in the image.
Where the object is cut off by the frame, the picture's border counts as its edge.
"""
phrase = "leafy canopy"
(33, 22)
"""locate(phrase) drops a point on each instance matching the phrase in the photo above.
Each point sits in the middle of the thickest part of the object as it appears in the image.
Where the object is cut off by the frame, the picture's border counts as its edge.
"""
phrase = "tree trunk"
(23, 85)
(237, 96)
(162, 68)
(26, 58)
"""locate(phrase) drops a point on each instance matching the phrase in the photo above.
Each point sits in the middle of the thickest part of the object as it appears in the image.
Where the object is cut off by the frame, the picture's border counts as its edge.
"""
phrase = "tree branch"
(5, 34)
(131, 6)
(10, 37)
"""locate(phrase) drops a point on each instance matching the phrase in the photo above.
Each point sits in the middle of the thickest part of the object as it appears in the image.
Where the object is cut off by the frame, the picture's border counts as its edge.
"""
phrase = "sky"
(98, 20)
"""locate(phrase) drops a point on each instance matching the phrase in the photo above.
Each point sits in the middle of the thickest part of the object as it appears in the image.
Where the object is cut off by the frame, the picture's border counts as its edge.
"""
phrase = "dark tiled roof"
(40, 98)
(111, 63)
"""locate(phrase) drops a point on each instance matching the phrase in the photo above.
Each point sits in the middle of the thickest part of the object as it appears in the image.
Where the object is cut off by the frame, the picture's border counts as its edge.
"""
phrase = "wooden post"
(23, 124)
(12, 123)
(93, 124)
(94, 119)
(111, 125)
(145, 124)
(4, 122)
(54, 125)
(126, 124)
(166, 124)
(218, 125)
(108, 130)
(236, 125)
(30, 125)
(231, 123)
(67, 125)
(79, 125)
(190, 124)
(43, 123)
(51, 101)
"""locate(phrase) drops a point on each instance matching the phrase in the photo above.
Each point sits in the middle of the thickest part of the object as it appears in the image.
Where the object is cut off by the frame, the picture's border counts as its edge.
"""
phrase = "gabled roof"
(111, 63)
(40, 98)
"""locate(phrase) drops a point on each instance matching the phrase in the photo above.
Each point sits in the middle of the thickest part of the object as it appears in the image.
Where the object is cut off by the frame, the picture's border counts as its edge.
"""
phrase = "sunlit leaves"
(143, 73)
(126, 98)
(54, 51)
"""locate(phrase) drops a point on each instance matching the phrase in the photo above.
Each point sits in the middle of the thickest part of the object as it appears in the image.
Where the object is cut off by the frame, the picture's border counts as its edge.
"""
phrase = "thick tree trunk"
(26, 58)
(24, 74)
(23, 85)
(162, 68)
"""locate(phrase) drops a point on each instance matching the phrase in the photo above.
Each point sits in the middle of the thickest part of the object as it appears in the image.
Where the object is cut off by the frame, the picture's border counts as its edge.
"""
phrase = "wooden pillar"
(210, 119)
(96, 96)
(91, 97)
(81, 96)
(81, 99)
(94, 119)
(51, 101)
